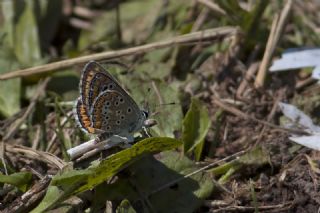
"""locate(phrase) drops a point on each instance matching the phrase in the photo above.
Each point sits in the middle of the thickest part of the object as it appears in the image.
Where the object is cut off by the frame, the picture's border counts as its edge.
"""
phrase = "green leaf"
(53, 194)
(125, 207)
(9, 89)
(120, 160)
(195, 127)
(156, 64)
(73, 182)
(148, 187)
(48, 14)
(7, 9)
(9, 104)
(26, 42)
(21, 180)
(136, 23)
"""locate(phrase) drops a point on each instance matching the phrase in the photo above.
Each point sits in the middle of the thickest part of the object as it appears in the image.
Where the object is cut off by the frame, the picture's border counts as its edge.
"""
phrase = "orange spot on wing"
(84, 119)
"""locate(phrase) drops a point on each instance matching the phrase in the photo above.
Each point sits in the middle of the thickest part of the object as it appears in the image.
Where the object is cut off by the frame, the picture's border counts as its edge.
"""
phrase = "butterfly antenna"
(160, 105)
(146, 105)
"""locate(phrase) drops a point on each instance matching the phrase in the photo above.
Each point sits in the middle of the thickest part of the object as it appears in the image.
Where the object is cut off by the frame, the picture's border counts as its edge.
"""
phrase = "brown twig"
(262, 73)
(29, 198)
(249, 75)
(211, 34)
(158, 93)
(277, 208)
(200, 20)
(212, 6)
(45, 157)
(306, 82)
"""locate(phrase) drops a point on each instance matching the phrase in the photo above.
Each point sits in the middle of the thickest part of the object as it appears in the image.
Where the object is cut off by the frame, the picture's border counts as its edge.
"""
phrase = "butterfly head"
(147, 122)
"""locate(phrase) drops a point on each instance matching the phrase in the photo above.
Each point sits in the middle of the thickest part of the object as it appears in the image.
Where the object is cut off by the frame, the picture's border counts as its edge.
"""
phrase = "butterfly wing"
(82, 117)
(94, 80)
(115, 112)
(98, 88)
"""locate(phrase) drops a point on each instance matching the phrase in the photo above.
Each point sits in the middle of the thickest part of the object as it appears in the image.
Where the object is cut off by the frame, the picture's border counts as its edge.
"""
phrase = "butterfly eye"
(145, 113)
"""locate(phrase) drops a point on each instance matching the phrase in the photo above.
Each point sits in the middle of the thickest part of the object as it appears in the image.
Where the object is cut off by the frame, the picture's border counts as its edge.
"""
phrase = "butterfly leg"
(117, 140)
(145, 132)
(114, 140)
(126, 143)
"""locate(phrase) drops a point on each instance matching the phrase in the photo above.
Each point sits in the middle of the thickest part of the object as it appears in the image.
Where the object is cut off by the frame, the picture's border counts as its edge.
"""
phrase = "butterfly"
(104, 107)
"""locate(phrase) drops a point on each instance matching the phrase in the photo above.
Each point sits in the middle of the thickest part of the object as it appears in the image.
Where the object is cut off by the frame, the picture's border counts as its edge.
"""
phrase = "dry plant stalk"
(30, 153)
(274, 37)
(213, 6)
(205, 35)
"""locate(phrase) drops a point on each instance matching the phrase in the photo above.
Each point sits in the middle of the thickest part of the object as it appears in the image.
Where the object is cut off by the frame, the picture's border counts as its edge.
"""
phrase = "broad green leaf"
(125, 207)
(9, 89)
(21, 180)
(195, 127)
(156, 64)
(53, 194)
(151, 177)
(73, 182)
(9, 102)
(171, 20)
(7, 9)
(48, 14)
(135, 22)
(118, 161)
(26, 42)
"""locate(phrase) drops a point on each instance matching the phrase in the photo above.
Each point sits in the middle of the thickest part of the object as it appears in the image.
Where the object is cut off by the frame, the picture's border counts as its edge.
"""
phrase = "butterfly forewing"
(94, 80)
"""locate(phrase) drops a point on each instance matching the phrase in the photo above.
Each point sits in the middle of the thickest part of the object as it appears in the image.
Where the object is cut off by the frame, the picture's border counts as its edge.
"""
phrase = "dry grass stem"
(277, 27)
(205, 35)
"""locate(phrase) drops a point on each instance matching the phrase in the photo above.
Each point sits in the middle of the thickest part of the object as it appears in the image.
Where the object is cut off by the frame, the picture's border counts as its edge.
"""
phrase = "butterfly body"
(104, 107)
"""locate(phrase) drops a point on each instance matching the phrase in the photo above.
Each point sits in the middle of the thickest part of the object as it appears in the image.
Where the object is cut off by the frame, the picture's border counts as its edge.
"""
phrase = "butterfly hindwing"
(111, 113)
(82, 117)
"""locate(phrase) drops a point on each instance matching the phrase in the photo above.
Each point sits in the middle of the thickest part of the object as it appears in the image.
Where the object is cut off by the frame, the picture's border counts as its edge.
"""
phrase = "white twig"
(92, 147)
